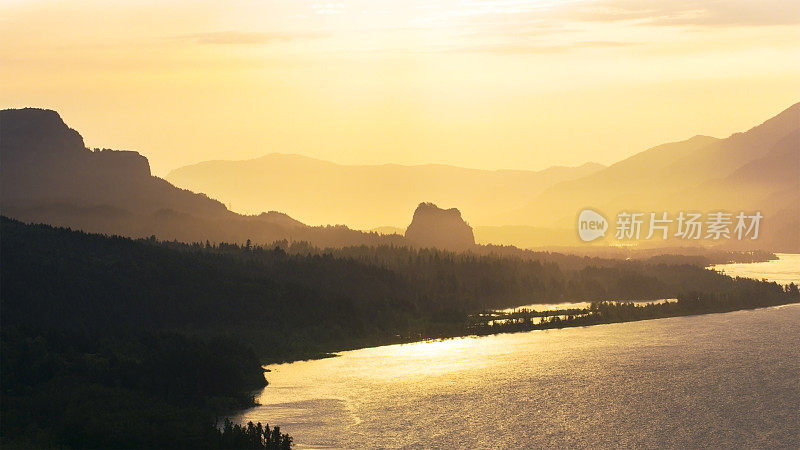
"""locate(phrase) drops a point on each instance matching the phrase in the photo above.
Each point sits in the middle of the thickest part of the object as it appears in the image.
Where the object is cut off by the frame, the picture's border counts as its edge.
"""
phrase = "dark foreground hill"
(290, 298)
(164, 337)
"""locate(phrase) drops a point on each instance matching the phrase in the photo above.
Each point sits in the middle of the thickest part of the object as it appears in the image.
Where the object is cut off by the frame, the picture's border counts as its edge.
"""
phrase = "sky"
(518, 84)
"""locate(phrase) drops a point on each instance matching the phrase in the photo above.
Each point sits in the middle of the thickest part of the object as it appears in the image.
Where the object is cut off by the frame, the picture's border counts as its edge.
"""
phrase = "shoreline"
(336, 353)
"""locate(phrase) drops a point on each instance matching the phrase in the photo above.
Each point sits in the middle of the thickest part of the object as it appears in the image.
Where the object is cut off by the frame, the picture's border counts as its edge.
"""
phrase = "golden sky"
(477, 83)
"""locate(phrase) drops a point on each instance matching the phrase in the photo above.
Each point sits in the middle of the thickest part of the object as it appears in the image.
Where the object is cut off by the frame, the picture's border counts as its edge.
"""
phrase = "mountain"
(322, 192)
(45, 161)
(49, 176)
(756, 170)
(435, 227)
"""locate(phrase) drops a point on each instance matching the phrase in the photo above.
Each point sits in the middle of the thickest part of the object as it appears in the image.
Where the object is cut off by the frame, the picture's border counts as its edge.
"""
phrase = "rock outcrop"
(440, 228)
(47, 175)
(46, 162)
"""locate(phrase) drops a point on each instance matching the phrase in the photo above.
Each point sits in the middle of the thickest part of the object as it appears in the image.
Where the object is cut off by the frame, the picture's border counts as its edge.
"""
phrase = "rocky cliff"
(47, 175)
(43, 161)
(441, 228)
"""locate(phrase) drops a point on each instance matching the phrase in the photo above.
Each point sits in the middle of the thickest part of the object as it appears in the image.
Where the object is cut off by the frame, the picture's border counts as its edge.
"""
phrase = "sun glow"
(410, 82)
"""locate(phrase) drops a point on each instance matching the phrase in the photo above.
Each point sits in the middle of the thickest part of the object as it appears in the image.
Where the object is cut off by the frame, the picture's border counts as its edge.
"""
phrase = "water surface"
(717, 380)
(784, 270)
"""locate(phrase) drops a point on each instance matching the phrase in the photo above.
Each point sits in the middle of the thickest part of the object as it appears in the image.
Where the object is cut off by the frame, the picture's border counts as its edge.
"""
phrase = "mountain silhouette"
(754, 170)
(432, 226)
(365, 196)
(49, 176)
(45, 161)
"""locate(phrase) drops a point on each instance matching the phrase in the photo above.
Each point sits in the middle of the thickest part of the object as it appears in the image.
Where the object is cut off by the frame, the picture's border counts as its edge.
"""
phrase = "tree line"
(166, 337)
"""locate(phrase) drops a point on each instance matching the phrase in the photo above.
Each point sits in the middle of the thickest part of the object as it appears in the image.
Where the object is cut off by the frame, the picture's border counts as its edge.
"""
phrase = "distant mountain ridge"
(49, 176)
(365, 196)
(754, 170)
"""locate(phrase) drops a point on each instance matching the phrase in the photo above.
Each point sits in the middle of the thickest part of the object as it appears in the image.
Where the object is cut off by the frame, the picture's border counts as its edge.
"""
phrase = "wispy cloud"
(538, 48)
(328, 8)
(248, 37)
(690, 12)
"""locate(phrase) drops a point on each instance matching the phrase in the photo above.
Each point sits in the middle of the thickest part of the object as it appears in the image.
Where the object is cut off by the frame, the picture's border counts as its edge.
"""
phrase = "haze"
(482, 84)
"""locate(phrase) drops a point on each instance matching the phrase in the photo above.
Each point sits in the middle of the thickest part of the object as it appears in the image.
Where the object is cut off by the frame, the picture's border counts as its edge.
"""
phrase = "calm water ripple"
(718, 380)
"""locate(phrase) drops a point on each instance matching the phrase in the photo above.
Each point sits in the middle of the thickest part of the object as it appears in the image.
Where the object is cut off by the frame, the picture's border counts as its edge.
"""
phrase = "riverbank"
(598, 313)
(780, 270)
(783, 270)
(576, 387)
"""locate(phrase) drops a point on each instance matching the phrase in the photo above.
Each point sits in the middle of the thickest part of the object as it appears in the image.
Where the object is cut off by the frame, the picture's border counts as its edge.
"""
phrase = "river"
(720, 380)
(784, 270)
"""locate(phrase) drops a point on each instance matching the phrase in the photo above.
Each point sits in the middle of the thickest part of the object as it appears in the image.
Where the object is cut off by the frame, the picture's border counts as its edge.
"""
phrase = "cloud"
(560, 27)
(689, 12)
(247, 37)
(328, 8)
(538, 48)
(520, 19)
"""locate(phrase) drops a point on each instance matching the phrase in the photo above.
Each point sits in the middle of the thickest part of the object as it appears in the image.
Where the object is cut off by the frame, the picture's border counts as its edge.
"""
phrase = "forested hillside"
(166, 337)
(286, 298)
